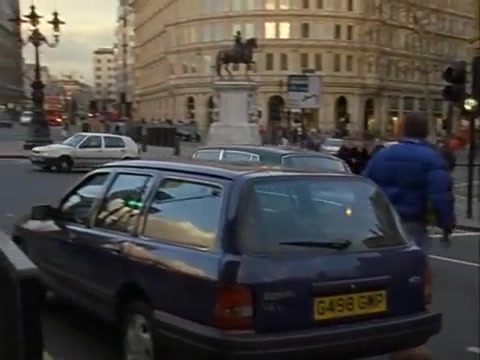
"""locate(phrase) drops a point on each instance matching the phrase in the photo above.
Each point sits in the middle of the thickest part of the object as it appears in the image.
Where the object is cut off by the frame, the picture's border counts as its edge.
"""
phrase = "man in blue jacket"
(415, 178)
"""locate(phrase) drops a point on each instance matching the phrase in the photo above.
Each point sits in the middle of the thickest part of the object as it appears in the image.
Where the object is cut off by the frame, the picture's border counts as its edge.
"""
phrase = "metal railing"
(21, 305)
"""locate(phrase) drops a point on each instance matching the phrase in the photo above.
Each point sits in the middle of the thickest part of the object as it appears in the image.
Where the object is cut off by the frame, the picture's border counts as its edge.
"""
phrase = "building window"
(270, 30)
(270, 4)
(269, 62)
(237, 5)
(207, 33)
(338, 32)
(284, 30)
(306, 4)
(235, 28)
(283, 62)
(349, 32)
(218, 32)
(254, 4)
(304, 63)
(350, 5)
(318, 62)
(349, 63)
(249, 31)
(305, 30)
(337, 63)
(319, 4)
(284, 4)
(207, 63)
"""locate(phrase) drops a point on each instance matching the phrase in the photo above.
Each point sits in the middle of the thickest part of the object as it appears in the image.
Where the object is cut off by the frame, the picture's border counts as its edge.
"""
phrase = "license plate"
(340, 306)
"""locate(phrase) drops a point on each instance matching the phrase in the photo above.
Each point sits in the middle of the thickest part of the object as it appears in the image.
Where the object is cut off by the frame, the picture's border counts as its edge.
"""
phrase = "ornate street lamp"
(39, 131)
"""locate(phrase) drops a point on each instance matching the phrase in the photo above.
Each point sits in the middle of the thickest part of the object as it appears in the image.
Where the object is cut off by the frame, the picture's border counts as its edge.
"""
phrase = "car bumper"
(42, 160)
(343, 342)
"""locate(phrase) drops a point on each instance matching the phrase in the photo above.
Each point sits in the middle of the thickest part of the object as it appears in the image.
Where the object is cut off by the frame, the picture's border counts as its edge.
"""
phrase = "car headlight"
(43, 153)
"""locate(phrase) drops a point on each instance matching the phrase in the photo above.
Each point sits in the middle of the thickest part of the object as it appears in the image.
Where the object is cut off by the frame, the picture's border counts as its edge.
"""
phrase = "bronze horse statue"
(239, 54)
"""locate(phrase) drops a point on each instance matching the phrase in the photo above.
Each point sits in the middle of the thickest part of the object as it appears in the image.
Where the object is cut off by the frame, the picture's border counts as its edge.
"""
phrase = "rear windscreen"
(315, 163)
(318, 209)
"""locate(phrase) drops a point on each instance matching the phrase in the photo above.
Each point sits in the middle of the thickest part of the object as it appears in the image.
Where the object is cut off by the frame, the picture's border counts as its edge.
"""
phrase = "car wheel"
(137, 332)
(64, 164)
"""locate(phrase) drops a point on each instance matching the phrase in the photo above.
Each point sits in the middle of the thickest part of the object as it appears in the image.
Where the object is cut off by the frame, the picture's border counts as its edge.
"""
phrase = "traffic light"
(456, 77)
(275, 110)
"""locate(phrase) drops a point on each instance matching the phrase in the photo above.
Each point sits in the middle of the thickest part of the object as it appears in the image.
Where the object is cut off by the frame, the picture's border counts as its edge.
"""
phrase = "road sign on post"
(304, 91)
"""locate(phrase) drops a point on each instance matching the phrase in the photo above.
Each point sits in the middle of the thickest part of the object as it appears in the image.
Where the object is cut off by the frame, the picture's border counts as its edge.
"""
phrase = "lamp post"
(39, 131)
(470, 106)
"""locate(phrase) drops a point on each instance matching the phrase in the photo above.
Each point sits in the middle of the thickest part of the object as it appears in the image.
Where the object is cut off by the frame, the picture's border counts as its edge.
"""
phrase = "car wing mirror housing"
(44, 212)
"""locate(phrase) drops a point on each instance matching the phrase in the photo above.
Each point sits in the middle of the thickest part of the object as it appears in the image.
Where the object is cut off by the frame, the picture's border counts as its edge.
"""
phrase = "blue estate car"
(209, 260)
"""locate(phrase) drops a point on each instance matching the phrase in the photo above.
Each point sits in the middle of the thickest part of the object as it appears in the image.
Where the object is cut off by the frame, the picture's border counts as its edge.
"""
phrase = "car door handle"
(114, 248)
(123, 150)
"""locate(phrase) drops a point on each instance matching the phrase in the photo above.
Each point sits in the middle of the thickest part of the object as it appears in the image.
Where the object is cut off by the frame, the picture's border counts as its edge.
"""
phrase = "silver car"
(332, 145)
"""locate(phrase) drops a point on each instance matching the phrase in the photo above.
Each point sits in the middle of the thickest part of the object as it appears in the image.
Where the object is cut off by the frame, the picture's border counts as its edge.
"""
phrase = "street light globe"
(470, 104)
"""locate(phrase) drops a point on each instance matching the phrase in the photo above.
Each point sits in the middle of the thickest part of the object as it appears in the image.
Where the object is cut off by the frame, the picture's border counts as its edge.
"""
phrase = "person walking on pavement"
(416, 179)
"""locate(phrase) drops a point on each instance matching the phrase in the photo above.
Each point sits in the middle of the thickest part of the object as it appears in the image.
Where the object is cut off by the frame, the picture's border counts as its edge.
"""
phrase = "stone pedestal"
(237, 121)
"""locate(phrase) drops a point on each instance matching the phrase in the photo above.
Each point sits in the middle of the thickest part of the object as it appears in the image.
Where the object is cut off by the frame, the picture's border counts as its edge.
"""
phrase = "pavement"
(71, 334)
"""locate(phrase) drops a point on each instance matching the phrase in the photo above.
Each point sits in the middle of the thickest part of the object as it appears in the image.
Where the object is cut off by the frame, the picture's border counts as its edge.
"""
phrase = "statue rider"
(238, 45)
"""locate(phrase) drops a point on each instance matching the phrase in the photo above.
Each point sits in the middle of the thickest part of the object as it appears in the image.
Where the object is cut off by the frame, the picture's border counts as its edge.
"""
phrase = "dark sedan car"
(209, 260)
(289, 157)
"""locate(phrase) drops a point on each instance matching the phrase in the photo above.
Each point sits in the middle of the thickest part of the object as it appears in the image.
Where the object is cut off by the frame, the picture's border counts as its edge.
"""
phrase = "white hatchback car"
(84, 151)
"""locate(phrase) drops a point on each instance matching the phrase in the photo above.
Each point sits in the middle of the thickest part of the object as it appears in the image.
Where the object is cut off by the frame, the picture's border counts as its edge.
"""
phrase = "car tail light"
(233, 308)
(427, 284)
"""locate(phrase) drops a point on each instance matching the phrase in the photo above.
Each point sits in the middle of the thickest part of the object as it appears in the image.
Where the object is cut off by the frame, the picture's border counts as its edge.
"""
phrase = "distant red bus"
(54, 108)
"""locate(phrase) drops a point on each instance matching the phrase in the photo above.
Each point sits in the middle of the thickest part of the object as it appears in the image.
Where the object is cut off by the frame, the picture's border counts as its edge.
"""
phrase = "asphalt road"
(73, 335)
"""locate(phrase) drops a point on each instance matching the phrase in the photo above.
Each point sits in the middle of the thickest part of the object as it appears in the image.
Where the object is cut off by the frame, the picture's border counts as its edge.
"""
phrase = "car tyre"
(64, 164)
(137, 333)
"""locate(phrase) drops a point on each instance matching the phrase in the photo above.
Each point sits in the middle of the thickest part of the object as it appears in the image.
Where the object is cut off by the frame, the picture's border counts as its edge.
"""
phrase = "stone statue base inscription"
(237, 114)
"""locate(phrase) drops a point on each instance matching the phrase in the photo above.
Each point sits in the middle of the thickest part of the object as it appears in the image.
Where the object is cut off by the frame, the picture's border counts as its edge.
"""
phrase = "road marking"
(454, 261)
(473, 349)
(465, 184)
(459, 234)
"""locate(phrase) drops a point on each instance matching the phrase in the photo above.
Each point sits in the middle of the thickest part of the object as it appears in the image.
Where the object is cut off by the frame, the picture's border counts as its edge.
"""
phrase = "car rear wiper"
(336, 245)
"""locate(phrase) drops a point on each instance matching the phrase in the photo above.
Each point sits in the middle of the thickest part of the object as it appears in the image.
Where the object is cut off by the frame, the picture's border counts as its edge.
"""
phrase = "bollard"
(176, 146)
(20, 311)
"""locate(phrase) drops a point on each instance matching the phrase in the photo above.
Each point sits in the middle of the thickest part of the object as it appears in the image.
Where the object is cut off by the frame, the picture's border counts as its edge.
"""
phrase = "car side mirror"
(44, 212)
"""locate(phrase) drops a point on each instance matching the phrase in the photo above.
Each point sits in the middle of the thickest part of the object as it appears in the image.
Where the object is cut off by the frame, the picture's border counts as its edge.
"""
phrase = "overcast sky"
(90, 24)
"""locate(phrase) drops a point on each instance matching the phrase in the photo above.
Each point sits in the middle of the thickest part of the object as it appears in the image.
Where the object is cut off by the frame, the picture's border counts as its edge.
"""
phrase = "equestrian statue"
(240, 53)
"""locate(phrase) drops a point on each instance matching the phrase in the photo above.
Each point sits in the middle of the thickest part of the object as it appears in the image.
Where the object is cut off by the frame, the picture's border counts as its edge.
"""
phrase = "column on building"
(356, 110)
(327, 113)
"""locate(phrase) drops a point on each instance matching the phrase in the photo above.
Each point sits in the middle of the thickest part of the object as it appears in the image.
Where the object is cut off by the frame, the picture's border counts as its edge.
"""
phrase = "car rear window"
(314, 163)
(316, 210)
